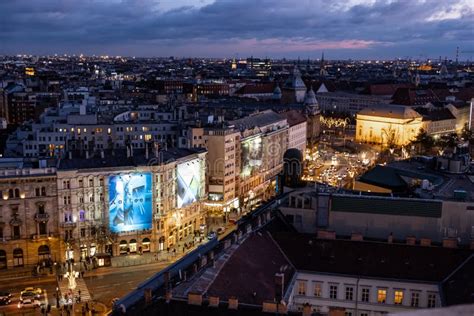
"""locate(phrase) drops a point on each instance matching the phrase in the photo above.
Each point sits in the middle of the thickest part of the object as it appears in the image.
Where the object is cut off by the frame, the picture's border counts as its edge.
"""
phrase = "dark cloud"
(227, 27)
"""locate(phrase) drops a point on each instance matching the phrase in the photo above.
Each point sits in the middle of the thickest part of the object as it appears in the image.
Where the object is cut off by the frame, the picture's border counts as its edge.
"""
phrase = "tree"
(423, 141)
(448, 141)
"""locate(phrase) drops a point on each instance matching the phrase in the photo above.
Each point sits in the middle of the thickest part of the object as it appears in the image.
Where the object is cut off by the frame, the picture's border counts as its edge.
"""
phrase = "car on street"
(211, 235)
(29, 302)
(5, 295)
(5, 301)
(30, 293)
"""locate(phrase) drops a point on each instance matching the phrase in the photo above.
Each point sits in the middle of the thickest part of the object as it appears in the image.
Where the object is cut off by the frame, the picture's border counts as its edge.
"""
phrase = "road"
(16, 286)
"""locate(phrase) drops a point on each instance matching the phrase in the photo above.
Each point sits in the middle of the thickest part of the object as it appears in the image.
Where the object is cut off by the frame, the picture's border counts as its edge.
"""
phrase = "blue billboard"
(130, 202)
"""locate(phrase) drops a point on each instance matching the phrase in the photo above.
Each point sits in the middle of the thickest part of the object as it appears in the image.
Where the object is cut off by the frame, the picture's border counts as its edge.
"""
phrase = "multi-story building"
(263, 142)
(29, 232)
(71, 127)
(359, 277)
(223, 146)
(350, 103)
(297, 130)
(120, 203)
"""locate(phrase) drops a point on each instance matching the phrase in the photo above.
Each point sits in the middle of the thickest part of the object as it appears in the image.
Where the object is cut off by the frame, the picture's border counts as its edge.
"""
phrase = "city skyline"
(343, 30)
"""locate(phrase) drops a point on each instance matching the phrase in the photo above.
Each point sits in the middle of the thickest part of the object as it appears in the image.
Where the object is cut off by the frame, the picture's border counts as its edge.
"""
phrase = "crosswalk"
(80, 286)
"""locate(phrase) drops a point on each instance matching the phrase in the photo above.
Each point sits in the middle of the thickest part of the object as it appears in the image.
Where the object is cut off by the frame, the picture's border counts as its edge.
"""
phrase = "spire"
(322, 67)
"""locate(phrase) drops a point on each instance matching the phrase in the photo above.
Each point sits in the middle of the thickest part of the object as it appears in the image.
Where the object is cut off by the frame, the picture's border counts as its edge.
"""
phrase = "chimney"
(390, 238)
(326, 234)
(194, 299)
(425, 242)
(214, 301)
(357, 237)
(233, 303)
(307, 310)
(279, 286)
(450, 243)
(411, 240)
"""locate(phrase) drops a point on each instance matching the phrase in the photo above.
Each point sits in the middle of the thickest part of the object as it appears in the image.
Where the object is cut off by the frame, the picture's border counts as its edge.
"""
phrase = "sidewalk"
(95, 308)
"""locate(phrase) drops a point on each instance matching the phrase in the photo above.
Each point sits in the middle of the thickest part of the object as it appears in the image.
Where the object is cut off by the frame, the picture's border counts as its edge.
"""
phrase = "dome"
(293, 154)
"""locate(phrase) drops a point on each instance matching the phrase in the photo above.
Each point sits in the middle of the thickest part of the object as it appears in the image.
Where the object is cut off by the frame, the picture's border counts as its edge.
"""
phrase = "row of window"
(15, 193)
(349, 294)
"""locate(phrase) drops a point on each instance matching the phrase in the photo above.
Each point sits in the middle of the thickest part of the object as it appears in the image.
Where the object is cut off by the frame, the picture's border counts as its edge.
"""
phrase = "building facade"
(29, 228)
(118, 205)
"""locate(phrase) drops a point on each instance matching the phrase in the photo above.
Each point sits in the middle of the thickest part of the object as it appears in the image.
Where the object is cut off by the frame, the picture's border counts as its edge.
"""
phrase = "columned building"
(390, 125)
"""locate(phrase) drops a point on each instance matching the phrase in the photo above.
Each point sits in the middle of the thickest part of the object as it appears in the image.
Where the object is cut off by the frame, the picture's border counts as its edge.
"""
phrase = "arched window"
(43, 252)
(123, 247)
(18, 257)
(43, 191)
(146, 245)
(10, 193)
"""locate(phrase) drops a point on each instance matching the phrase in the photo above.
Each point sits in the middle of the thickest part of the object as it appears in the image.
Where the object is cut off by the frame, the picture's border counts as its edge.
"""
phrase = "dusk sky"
(356, 29)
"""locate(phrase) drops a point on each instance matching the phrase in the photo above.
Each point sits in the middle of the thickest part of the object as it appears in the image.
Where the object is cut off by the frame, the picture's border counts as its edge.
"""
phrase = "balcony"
(68, 224)
(41, 217)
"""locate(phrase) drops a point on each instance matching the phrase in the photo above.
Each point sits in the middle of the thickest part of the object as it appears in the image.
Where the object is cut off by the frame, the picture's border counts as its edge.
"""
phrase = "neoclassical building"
(388, 124)
(29, 232)
(117, 204)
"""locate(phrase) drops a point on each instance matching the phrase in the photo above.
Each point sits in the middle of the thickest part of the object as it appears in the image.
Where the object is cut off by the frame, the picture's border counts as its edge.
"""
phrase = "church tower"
(294, 89)
(313, 114)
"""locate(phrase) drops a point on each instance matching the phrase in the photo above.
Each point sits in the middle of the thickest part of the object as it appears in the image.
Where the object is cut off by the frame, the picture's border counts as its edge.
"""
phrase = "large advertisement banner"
(252, 155)
(130, 202)
(189, 182)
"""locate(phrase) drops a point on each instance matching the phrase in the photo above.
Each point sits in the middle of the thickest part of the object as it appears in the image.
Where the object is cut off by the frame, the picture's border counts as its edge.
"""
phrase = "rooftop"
(370, 259)
(390, 111)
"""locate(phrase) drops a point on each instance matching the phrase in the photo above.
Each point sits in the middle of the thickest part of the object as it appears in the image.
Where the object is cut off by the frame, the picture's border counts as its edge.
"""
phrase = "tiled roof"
(369, 259)
(260, 119)
(249, 274)
(293, 117)
(391, 111)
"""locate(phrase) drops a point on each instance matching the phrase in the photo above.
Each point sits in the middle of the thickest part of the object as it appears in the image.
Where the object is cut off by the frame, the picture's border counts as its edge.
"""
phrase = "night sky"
(356, 29)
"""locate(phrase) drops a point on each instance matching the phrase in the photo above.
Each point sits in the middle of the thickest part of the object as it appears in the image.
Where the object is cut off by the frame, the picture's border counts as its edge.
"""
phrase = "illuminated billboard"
(130, 202)
(190, 186)
(252, 151)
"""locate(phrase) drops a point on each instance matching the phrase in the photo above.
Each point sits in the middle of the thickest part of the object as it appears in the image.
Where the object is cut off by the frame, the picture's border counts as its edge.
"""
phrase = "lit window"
(415, 299)
(398, 297)
(317, 289)
(301, 287)
(381, 296)
(349, 293)
(333, 292)
(431, 300)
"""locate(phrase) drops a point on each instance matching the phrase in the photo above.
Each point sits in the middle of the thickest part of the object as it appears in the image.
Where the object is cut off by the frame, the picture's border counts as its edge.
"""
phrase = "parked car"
(5, 301)
(5, 295)
(30, 293)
